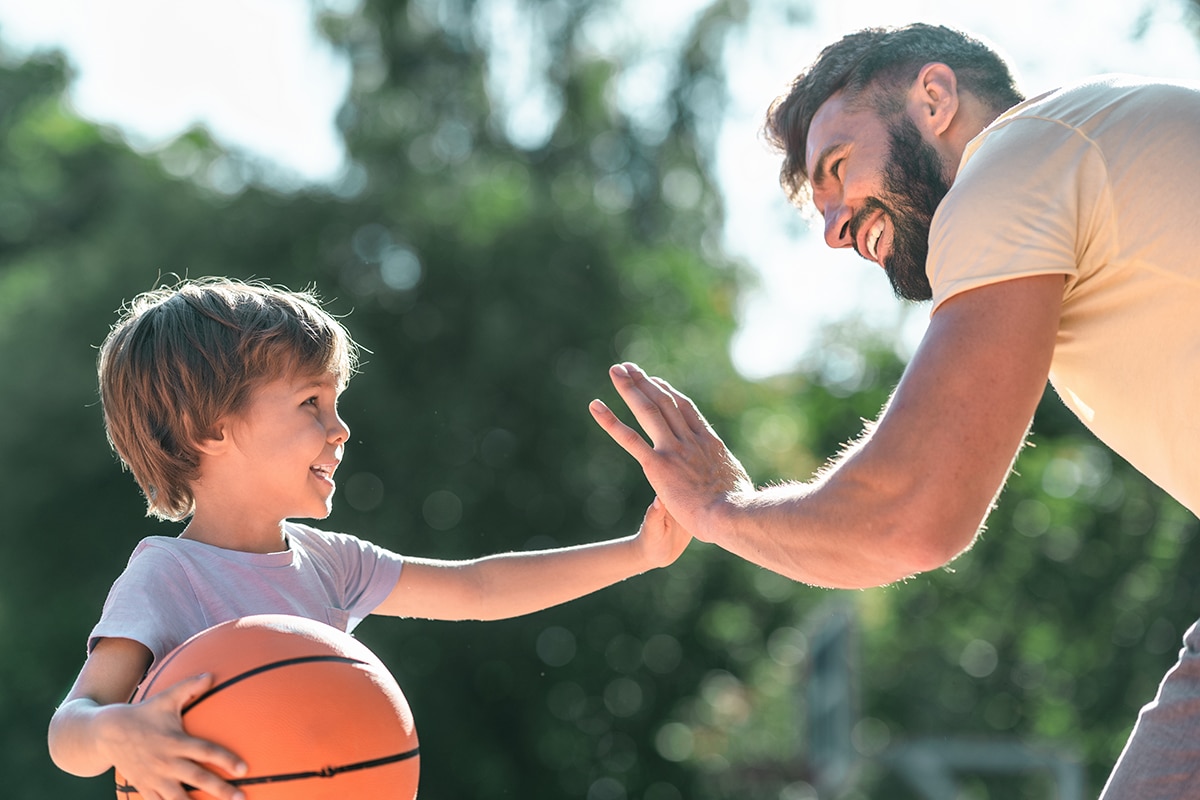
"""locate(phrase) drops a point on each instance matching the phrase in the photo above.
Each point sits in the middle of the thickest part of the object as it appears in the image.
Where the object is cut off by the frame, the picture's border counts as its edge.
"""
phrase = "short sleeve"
(152, 602)
(1027, 201)
(363, 573)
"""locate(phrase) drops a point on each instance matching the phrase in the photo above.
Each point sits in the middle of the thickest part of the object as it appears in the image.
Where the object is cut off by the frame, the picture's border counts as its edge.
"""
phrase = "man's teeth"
(873, 238)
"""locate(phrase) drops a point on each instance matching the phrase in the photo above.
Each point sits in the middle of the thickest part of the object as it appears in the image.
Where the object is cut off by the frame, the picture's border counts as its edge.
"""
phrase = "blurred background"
(504, 198)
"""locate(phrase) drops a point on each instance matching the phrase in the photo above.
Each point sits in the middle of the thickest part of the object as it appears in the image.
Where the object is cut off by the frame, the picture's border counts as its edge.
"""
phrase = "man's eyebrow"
(821, 170)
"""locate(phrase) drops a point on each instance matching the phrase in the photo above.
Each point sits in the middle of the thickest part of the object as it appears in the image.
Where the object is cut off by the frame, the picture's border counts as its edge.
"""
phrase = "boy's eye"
(312, 401)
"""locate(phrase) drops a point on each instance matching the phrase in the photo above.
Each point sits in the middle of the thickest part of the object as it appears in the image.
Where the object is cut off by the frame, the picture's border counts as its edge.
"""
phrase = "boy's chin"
(315, 513)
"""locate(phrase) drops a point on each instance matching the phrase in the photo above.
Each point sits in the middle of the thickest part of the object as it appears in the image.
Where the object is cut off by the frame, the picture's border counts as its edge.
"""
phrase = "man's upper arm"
(961, 411)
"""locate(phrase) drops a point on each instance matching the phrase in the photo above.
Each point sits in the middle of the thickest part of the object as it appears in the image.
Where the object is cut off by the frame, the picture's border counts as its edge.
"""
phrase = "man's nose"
(837, 225)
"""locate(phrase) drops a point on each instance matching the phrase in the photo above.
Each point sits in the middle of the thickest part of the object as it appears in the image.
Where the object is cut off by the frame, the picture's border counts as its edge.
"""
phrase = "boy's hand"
(148, 746)
(662, 538)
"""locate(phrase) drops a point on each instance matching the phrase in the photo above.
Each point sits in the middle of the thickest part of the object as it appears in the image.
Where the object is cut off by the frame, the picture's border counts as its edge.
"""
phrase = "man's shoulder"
(1093, 99)
(1077, 127)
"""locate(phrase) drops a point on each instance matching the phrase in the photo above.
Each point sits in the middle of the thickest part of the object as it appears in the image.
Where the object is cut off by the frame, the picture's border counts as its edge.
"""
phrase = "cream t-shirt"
(1099, 182)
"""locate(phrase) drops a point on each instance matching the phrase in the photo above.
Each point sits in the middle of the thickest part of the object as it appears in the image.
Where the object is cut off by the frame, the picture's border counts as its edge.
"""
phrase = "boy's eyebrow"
(316, 383)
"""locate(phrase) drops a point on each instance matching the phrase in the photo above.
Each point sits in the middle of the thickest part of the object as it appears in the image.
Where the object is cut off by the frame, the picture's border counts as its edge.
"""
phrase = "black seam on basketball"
(267, 668)
(327, 772)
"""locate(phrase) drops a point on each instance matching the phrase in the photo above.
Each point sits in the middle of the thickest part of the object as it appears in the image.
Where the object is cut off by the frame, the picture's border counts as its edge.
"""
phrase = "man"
(1056, 238)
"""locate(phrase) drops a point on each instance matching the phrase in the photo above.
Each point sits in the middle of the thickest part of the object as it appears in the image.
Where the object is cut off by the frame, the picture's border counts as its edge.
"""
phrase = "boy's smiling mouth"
(324, 470)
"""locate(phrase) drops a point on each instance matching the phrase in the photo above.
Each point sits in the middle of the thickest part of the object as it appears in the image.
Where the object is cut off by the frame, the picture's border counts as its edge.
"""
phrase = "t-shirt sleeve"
(366, 572)
(1027, 202)
(137, 604)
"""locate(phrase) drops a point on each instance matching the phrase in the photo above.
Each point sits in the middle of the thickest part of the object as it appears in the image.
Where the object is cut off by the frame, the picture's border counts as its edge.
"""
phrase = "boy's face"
(288, 442)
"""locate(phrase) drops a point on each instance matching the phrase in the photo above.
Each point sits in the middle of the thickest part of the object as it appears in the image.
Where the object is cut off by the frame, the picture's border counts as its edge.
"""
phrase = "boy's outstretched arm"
(512, 584)
(97, 728)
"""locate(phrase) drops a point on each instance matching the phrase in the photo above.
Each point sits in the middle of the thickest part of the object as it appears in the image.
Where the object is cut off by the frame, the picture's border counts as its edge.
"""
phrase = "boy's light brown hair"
(181, 358)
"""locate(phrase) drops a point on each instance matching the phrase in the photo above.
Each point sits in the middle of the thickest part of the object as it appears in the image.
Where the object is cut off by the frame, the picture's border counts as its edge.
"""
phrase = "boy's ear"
(215, 441)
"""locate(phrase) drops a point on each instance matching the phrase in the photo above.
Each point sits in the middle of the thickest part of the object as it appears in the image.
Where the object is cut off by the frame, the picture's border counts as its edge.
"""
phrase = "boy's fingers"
(654, 512)
(197, 777)
(206, 752)
(187, 690)
(216, 787)
(201, 751)
(197, 760)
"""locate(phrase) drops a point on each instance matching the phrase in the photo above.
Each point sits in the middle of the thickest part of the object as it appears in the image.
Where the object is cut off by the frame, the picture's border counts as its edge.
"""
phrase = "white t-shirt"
(1098, 182)
(174, 588)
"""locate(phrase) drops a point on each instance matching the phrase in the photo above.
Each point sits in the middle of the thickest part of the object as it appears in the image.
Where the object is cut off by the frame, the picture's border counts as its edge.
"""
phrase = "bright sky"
(256, 73)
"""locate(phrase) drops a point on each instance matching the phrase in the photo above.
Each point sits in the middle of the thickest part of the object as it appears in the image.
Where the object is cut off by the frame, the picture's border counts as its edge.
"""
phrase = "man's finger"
(645, 410)
(629, 439)
(654, 408)
(687, 409)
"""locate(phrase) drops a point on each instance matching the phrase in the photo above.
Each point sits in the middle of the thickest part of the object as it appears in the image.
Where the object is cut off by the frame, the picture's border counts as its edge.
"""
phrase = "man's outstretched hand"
(692, 471)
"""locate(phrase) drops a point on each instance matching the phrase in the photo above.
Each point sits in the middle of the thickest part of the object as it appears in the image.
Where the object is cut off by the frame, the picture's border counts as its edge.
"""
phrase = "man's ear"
(933, 98)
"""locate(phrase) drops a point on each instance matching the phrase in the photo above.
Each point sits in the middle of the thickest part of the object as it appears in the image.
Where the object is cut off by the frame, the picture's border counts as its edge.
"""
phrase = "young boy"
(221, 398)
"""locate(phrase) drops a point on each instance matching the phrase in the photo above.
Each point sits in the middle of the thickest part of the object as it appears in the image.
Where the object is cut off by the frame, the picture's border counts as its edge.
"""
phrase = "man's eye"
(836, 169)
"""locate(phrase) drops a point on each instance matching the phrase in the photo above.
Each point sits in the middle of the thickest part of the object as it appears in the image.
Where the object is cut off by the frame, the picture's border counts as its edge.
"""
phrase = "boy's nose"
(339, 431)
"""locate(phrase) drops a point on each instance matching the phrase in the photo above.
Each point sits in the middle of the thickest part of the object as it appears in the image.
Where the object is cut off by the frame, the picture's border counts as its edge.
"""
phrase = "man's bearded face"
(914, 184)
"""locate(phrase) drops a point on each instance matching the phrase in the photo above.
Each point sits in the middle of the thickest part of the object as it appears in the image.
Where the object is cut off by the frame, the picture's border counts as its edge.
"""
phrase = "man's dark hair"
(870, 66)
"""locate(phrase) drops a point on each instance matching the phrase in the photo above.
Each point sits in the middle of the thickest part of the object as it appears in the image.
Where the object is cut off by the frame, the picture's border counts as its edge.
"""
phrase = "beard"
(914, 184)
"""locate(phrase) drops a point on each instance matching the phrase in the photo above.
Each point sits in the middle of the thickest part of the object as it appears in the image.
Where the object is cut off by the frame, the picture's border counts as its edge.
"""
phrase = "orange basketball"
(311, 710)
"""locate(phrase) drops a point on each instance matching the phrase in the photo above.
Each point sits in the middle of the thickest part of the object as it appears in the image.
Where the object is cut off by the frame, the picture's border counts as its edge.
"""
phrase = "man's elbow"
(931, 547)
